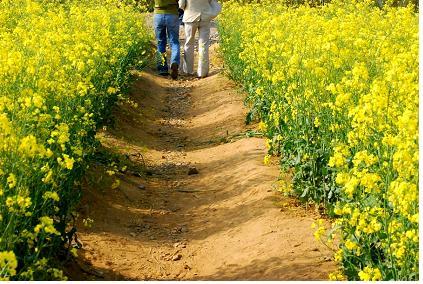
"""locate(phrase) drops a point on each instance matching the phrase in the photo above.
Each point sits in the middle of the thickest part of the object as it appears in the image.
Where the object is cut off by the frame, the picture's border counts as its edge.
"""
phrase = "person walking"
(166, 26)
(197, 16)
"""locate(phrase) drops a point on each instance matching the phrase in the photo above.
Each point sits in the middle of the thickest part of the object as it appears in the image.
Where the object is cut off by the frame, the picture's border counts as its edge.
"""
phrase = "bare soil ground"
(226, 222)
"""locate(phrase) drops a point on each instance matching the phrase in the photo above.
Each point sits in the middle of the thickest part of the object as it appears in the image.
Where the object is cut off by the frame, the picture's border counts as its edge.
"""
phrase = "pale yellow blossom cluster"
(339, 83)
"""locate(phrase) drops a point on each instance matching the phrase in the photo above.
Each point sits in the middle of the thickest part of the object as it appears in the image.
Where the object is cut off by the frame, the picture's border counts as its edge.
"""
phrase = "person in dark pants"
(166, 26)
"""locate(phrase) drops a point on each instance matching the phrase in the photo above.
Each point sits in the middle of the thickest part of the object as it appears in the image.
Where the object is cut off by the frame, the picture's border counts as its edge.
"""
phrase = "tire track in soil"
(227, 222)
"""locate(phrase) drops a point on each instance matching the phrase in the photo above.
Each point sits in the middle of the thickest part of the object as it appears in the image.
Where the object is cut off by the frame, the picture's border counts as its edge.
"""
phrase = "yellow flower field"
(61, 68)
(336, 91)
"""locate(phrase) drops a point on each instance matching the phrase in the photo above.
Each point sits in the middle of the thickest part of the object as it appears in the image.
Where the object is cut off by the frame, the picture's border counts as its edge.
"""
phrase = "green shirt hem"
(166, 11)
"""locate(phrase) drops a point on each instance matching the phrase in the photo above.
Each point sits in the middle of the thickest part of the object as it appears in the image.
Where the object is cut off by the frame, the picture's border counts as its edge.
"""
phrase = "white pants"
(203, 48)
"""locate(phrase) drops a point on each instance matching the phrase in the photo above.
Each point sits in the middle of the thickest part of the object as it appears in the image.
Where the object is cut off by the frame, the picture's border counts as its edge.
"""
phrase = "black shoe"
(164, 73)
(174, 71)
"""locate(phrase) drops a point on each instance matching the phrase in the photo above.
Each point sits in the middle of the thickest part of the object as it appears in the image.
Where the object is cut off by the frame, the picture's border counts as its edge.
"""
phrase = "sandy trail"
(228, 222)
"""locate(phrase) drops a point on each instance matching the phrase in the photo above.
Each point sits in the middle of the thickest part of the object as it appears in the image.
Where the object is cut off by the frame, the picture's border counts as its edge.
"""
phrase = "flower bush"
(336, 91)
(62, 66)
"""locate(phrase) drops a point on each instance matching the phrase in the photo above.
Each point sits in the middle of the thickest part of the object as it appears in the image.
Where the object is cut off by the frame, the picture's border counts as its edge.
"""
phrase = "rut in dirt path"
(169, 222)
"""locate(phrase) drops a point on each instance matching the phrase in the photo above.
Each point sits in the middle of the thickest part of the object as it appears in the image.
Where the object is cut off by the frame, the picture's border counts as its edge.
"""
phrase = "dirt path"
(226, 222)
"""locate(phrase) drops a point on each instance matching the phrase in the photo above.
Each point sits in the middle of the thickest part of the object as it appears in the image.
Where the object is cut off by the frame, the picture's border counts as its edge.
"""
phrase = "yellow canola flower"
(57, 63)
(8, 265)
(18, 204)
(46, 225)
(350, 245)
(30, 148)
(337, 276)
(266, 160)
(370, 274)
(370, 181)
(319, 225)
(5, 125)
(66, 162)
(11, 180)
(342, 93)
(317, 122)
(48, 177)
(51, 195)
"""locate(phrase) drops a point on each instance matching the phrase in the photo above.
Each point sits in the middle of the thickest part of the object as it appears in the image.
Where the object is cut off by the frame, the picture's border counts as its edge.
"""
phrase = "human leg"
(161, 37)
(188, 63)
(203, 49)
(173, 32)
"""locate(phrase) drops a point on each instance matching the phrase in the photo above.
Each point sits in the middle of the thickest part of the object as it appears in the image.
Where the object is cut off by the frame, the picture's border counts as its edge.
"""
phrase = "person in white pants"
(196, 17)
